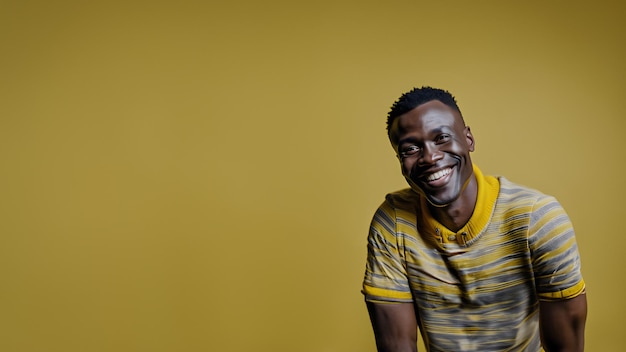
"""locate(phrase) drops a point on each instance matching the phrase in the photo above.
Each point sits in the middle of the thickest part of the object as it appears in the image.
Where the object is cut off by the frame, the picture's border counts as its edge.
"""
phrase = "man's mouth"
(439, 174)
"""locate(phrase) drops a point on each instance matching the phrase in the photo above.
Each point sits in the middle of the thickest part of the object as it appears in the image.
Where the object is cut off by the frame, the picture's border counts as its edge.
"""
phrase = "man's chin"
(432, 200)
(435, 202)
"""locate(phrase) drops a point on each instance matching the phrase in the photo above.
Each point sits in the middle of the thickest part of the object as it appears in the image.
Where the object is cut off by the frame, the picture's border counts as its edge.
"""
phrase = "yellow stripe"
(571, 292)
(380, 292)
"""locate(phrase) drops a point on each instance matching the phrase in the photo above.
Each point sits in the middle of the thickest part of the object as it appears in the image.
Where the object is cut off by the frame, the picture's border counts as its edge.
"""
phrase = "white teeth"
(439, 174)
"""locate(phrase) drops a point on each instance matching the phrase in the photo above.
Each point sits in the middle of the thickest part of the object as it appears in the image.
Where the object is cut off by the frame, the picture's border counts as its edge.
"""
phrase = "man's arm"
(563, 324)
(395, 326)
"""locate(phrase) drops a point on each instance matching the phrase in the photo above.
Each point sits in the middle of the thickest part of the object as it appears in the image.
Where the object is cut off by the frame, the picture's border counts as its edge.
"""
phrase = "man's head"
(418, 96)
(427, 131)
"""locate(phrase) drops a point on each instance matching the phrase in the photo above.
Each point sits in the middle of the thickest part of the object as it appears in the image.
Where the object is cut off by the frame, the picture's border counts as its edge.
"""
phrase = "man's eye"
(442, 138)
(412, 150)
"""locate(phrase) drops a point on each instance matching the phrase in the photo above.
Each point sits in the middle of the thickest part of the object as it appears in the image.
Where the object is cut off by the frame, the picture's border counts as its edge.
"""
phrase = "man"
(476, 262)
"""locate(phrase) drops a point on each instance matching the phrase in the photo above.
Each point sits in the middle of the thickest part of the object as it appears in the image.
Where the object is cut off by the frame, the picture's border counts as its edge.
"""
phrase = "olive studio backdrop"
(200, 176)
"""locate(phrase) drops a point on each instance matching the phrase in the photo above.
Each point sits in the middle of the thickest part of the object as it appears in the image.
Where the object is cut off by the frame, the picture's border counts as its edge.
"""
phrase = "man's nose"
(430, 155)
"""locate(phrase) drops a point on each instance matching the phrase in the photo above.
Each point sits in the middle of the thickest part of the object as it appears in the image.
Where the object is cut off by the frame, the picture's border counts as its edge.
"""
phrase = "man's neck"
(456, 214)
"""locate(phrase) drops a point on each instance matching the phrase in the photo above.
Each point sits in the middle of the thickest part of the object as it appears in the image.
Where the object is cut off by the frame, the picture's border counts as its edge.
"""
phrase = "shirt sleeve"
(385, 272)
(555, 256)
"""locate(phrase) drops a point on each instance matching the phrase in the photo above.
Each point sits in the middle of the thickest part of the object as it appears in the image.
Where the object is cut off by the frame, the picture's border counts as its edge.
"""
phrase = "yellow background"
(200, 176)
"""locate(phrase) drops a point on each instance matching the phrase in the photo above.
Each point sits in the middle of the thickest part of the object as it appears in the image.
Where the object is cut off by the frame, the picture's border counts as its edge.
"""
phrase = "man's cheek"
(406, 169)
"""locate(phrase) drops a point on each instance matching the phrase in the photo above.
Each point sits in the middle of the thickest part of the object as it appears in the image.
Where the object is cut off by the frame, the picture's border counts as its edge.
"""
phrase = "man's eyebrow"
(441, 129)
(434, 131)
(407, 140)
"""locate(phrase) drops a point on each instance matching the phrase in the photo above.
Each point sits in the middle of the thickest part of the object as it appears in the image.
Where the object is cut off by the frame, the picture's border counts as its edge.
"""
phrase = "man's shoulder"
(405, 196)
(511, 191)
(404, 193)
(404, 201)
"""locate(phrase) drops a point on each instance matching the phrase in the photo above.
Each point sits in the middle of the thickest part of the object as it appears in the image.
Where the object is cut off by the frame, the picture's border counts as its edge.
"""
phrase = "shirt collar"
(488, 189)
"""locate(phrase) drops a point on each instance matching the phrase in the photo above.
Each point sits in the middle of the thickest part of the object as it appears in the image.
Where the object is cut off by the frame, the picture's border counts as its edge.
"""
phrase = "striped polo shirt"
(476, 289)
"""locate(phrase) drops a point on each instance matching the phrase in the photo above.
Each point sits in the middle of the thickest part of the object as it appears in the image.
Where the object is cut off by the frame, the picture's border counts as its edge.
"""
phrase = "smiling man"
(475, 262)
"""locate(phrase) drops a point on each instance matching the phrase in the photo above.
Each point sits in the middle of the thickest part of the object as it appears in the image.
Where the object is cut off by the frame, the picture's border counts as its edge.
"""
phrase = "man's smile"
(437, 179)
(437, 175)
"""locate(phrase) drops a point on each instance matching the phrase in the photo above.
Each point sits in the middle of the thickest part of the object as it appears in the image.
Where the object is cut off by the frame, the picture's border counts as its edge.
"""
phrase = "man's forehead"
(433, 115)
(430, 113)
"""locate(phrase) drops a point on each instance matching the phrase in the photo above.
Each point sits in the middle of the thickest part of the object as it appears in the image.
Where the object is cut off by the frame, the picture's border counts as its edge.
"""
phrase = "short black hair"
(418, 96)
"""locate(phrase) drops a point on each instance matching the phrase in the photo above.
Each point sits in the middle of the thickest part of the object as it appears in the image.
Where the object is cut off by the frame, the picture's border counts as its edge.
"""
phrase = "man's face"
(434, 145)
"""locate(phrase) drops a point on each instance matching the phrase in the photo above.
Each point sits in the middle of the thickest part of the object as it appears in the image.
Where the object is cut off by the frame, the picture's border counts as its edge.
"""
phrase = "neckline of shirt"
(488, 190)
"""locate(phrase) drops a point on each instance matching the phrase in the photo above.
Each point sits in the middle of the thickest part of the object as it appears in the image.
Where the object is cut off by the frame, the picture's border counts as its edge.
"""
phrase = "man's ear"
(469, 138)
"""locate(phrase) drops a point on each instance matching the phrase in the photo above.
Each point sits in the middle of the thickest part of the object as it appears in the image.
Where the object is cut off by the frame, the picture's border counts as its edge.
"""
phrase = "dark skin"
(433, 146)
(432, 139)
